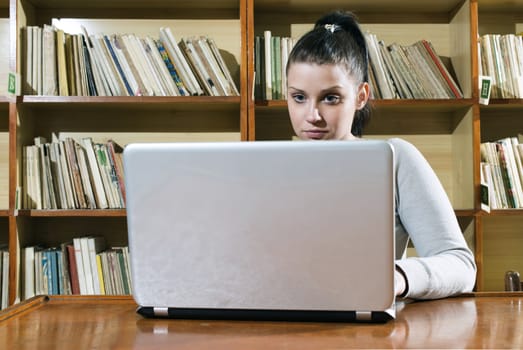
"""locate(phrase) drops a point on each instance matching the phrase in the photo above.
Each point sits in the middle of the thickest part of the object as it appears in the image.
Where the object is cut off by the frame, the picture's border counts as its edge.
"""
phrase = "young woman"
(328, 91)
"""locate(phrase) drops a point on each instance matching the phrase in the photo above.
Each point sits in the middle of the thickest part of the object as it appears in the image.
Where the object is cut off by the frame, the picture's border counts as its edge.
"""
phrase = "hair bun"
(339, 20)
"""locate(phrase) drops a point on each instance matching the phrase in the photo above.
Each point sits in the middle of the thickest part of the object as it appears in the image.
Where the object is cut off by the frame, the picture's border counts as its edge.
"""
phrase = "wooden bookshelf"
(123, 119)
(447, 132)
(500, 229)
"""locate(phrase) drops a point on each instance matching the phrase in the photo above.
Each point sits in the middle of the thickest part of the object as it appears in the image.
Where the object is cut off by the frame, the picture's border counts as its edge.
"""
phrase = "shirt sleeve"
(445, 265)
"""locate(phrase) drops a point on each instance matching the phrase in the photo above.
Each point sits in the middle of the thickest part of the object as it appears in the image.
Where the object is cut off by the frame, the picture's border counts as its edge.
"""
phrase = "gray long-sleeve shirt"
(445, 265)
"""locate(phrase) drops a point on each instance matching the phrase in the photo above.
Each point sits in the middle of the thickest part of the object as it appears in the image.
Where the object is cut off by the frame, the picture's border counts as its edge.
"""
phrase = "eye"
(332, 99)
(298, 98)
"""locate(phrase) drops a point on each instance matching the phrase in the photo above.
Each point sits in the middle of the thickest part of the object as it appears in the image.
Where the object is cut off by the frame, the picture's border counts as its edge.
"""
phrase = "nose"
(313, 114)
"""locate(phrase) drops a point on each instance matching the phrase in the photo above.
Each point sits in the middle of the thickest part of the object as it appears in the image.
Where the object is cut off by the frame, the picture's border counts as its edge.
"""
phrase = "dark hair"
(337, 39)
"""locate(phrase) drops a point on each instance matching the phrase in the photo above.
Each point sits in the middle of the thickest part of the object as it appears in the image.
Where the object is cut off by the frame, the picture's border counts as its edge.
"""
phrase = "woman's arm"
(445, 265)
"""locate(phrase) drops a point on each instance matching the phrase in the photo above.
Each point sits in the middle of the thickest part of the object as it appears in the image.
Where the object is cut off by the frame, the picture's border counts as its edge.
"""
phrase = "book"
(94, 246)
(442, 69)
(64, 269)
(115, 152)
(202, 47)
(182, 66)
(50, 78)
(94, 172)
(198, 67)
(82, 280)
(4, 252)
(118, 66)
(29, 272)
(223, 66)
(101, 280)
(73, 270)
(138, 57)
(182, 91)
(267, 59)
(164, 76)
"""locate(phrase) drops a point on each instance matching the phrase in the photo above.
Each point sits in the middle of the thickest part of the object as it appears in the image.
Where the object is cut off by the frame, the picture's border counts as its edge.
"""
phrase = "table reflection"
(441, 323)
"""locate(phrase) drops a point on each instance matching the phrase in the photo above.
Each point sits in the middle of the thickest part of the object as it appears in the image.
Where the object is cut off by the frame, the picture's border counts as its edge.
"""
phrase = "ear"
(362, 95)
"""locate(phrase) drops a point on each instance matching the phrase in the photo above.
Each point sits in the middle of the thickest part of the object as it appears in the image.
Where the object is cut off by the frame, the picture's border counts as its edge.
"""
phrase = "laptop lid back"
(262, 225)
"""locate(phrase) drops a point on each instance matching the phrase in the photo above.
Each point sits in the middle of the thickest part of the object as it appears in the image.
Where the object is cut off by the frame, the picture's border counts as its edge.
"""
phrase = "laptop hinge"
(364, 315)
(161, 311)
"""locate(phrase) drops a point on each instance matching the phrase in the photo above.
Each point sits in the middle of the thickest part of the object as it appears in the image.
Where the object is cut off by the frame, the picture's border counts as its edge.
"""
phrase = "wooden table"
(474, 321)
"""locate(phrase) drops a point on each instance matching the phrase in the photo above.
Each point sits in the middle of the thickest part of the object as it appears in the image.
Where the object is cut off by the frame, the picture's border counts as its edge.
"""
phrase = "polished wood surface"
(485, 321)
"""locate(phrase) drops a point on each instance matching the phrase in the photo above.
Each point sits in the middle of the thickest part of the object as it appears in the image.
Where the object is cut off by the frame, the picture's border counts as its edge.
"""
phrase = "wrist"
(400, 283)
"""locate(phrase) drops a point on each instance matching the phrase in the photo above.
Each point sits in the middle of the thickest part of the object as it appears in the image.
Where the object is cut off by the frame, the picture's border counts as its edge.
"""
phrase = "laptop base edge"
(268, 315)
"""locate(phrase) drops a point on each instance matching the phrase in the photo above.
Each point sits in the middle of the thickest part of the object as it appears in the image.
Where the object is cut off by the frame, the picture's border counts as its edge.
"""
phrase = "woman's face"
(322, 100)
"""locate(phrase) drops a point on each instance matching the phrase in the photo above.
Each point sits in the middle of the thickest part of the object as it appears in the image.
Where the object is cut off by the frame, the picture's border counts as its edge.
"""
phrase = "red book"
(75, 284)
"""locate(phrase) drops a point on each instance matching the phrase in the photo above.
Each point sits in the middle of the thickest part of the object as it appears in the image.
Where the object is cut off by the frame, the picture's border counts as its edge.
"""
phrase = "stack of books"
(70, 174)
(271, 54)
(502, 173)
(409, 71)
(396, 71)
(59, 63)
(81, 267)
(501, 59)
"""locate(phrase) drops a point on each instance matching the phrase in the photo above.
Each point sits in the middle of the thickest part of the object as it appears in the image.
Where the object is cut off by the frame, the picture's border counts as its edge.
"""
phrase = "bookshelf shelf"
(73, 213)
(504, 103)
(502, 212)
(129, 100)
(465, 212)
(4, 213)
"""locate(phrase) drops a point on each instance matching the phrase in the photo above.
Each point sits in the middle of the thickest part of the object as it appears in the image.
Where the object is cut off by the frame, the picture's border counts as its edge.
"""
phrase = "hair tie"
(332, 27)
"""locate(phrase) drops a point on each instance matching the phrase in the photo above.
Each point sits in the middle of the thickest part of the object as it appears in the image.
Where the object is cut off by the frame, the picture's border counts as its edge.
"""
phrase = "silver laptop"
(262, 230)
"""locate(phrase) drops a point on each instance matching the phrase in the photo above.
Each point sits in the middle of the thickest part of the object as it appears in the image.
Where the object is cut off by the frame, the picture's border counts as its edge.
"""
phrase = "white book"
(38, 272)
(95, 245)
(80, 265)
(94, 171)
(50, 77)
(284, 58)
(5, 278)
(29, 272)
(178, 59)
(37, 60)
(86, 262)
(378, 66)
(267, 39)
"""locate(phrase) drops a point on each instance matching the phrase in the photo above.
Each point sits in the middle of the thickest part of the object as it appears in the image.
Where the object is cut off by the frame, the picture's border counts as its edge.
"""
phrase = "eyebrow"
(335, 87)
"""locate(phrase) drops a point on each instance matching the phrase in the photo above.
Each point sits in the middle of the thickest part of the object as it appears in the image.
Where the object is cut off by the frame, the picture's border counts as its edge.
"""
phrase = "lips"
(315, 134)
